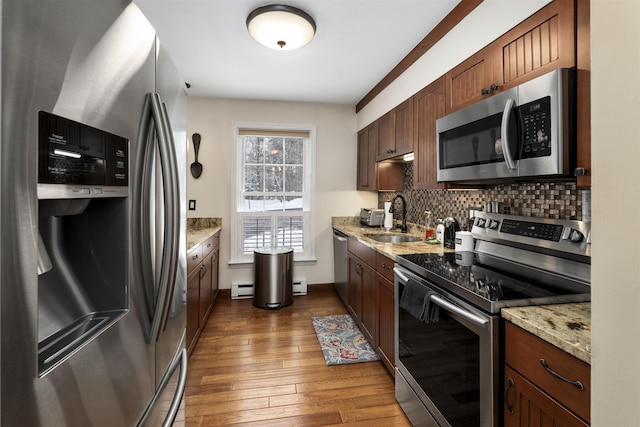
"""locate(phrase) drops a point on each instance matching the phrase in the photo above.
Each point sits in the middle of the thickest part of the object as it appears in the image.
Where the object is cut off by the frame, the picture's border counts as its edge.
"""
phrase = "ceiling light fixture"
(281, 27)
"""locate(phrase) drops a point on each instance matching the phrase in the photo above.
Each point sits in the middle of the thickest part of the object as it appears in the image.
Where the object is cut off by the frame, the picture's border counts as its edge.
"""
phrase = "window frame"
(309, 183)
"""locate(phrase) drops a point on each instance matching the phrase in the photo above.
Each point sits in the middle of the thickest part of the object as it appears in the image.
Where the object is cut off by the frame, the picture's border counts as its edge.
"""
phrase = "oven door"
(447, 371)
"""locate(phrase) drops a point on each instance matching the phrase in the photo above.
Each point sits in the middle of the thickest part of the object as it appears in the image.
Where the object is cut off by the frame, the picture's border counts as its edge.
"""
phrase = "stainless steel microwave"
(521, 133)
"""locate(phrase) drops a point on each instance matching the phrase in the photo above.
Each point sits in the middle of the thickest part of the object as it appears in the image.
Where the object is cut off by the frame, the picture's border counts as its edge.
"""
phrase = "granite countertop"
(566, 326)
(200, 229)
(352, 227)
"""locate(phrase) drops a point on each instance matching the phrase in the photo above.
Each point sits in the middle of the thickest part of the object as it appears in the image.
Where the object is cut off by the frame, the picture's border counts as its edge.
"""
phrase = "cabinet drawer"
(384, 266)
(194, 257)
(525, 352)
(207, 246)
(362, 251)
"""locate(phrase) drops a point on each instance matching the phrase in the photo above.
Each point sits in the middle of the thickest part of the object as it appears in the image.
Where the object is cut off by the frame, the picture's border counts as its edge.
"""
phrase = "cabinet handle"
(580, 172)
(510, 384)
(484, 91)
(203, 271)
(388, 267)
(195, 257)
(208, 245)
(494, 87)
(576, 383)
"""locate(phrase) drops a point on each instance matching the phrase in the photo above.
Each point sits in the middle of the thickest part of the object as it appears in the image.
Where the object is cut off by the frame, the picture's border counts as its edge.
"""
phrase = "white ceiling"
(357, 43)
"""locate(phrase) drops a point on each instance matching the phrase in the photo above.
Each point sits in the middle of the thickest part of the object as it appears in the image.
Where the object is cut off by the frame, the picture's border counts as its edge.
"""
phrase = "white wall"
(485, 23)
(336, 160)
(615, 111)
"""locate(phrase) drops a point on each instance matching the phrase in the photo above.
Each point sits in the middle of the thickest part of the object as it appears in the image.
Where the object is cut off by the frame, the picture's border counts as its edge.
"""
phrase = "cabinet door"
(583, 104)
(354, 300)
(386, 137)
(470, 81)
(525, 405)
(541, 43)
(369, 318)
(206, 294)
(367, 142)
(403, 128)
(428, 106)
(215, 274)
(193, 298)
(386, 348)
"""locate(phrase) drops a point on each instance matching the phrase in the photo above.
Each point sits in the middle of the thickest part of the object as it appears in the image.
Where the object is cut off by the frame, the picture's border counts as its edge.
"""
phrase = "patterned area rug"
(341, 341)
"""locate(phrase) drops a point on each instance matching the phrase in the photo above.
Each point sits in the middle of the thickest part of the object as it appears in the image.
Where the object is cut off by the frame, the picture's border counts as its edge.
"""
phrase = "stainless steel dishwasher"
(340, 263)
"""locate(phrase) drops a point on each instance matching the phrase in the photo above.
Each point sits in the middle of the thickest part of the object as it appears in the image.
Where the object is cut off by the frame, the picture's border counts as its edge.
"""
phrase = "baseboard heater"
(245, 290)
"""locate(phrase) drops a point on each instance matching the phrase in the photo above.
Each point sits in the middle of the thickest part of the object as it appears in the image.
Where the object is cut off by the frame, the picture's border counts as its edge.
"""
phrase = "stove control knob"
(480, 222)
(493, 224)
(571, 235)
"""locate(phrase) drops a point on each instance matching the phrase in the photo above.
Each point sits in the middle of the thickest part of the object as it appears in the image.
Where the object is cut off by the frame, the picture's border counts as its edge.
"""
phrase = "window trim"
(236, 202)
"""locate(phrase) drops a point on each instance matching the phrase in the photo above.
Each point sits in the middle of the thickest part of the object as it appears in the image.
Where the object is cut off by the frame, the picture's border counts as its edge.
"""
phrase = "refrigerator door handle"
(172, 246)
(177, 398)
(140, 207)
(181, 361)
(157, 301)
(171, 226)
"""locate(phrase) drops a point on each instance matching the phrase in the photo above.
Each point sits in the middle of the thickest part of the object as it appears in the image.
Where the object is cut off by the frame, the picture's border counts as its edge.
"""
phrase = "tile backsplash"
(558, 200)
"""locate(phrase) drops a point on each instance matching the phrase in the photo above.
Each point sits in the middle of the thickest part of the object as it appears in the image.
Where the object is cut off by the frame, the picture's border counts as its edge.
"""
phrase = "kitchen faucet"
(403, 226)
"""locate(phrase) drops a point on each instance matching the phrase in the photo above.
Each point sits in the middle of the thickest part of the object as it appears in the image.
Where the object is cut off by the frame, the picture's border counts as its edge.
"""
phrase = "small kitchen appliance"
(372, 217)
(523, 132)
(451, 226)
(516, 261)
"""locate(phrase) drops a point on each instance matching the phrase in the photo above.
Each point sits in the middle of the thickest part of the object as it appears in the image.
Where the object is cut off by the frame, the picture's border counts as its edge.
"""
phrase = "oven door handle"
(477, 320)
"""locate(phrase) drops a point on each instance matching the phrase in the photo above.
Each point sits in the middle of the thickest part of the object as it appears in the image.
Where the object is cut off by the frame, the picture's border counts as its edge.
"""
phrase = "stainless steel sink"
(392, 238)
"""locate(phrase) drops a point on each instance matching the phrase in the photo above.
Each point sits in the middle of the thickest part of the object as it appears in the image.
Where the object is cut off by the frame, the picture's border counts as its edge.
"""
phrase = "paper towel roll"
(388, 217)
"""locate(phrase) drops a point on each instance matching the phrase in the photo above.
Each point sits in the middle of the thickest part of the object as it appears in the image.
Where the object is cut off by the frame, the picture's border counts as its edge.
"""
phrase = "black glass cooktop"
(478, 279)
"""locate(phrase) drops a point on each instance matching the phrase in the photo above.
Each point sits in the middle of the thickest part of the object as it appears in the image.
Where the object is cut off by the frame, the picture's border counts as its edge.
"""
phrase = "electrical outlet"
(192, 205)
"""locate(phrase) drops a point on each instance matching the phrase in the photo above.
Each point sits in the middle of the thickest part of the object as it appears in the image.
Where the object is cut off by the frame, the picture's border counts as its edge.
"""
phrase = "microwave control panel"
(536, 128)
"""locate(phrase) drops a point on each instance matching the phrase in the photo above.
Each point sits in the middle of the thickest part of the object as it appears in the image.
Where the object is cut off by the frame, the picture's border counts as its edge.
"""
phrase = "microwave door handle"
(508, 158)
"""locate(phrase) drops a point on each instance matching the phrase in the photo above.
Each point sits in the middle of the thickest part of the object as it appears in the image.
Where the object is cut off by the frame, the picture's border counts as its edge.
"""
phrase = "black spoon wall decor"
(196, 167)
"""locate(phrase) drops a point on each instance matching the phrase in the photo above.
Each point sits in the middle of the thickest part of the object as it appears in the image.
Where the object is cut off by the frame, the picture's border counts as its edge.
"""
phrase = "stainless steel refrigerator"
(92, 217)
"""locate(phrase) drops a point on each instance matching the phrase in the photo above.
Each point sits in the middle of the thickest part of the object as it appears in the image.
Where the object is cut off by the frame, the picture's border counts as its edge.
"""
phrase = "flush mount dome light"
(281, 27)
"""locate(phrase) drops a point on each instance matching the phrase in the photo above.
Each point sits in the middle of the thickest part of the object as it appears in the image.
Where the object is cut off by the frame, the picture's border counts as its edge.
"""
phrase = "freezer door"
(92, 62)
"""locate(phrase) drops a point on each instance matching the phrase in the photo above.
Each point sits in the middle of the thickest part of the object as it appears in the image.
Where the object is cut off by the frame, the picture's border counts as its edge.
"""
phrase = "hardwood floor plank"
(255, 367)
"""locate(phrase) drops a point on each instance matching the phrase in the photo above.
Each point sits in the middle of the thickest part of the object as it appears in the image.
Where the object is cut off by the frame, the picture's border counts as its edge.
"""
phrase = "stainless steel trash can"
(273, 277)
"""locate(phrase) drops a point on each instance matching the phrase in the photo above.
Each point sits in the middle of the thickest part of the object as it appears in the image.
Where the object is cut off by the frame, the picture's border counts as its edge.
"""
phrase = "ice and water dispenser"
(83, 190)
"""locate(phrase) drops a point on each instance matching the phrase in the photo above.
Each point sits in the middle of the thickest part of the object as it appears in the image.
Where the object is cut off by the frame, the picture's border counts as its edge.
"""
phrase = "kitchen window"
(274, 190)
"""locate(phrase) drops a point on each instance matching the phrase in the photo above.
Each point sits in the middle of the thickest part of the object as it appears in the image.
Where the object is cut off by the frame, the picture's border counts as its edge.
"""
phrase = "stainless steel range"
(447, 312)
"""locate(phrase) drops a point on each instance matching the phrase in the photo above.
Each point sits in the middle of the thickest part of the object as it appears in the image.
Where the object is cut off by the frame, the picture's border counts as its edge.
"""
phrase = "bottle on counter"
(429, 230)
(440, 231)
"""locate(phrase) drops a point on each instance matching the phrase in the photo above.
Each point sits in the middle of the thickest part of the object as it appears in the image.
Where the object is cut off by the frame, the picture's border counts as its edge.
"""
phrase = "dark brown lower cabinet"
(528, 406)
(370, 298)
(543, 385)
(193, 313)
(386, 347)
(202, 287)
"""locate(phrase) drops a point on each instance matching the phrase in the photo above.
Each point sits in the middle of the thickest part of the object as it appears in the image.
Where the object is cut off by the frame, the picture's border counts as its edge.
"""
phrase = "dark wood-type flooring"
(256, 367)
